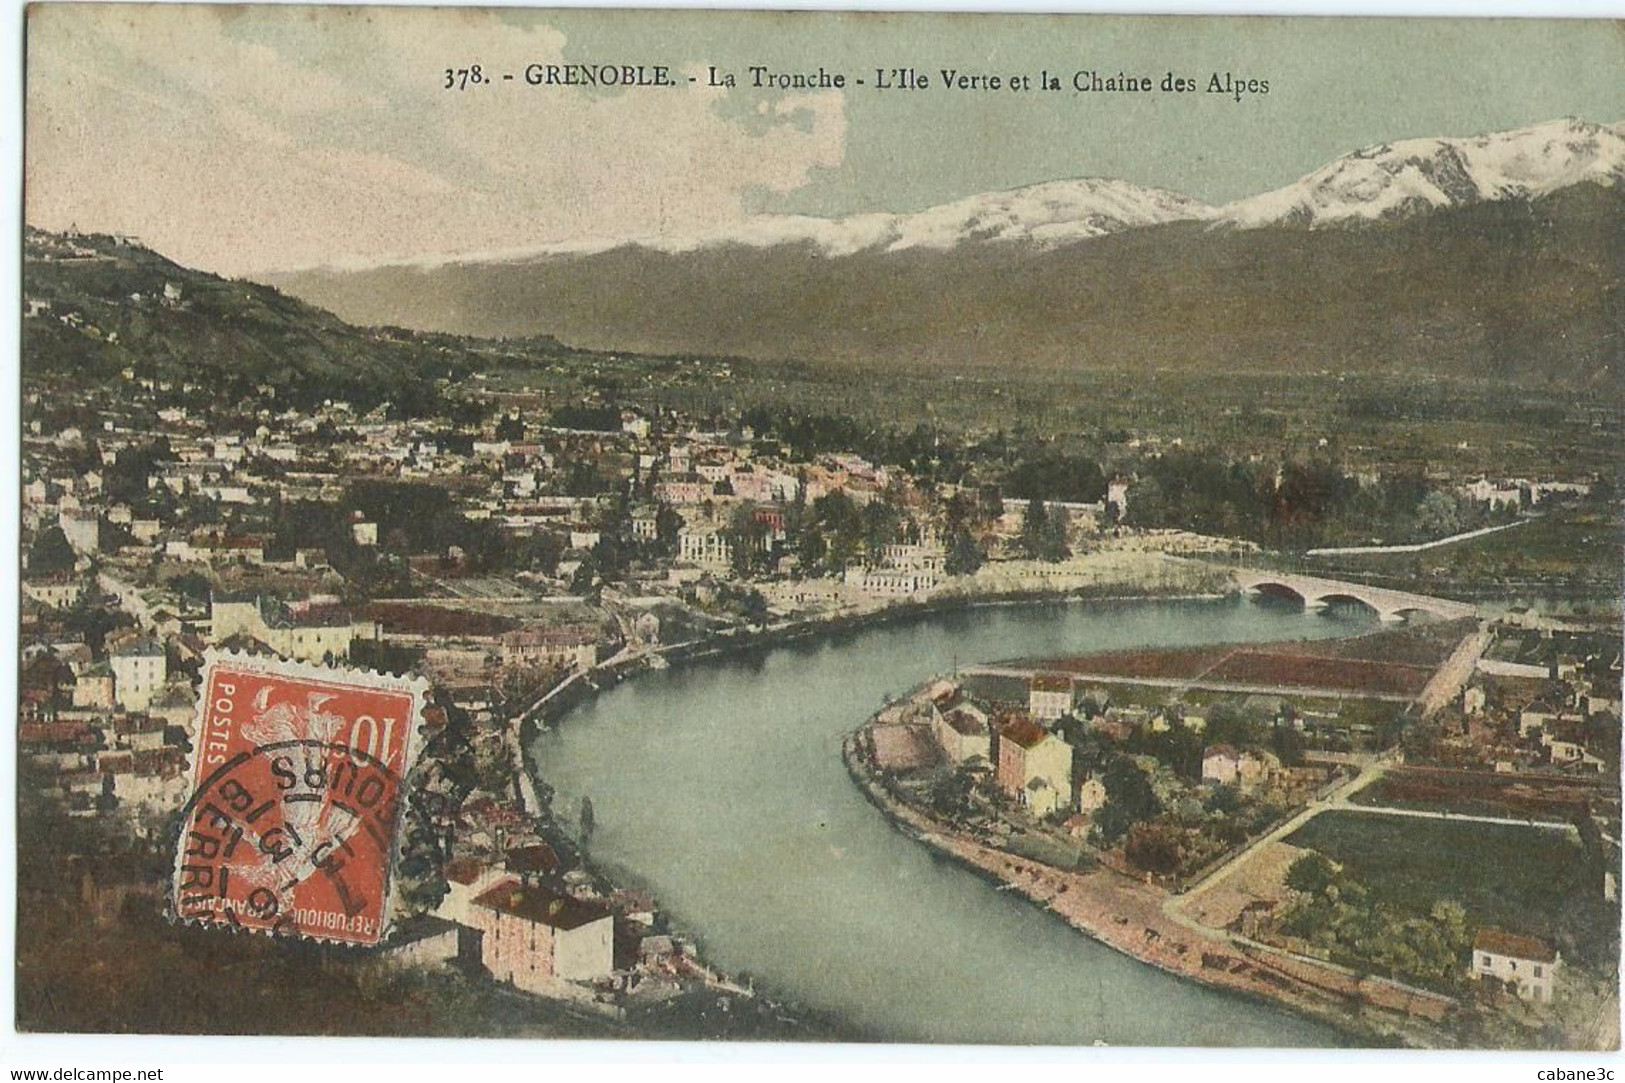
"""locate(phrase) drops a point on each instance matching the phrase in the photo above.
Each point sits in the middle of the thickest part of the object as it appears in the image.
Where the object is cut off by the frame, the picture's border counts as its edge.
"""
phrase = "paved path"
(1420, 547)
(1454, 817)
(1337, 798)
(1194, 682)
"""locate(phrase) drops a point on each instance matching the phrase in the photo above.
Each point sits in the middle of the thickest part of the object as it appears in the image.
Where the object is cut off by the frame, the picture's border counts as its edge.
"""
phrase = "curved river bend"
(719, 784)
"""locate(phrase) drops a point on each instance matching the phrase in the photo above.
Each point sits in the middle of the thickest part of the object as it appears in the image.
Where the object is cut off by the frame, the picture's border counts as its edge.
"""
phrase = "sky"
(254, 139)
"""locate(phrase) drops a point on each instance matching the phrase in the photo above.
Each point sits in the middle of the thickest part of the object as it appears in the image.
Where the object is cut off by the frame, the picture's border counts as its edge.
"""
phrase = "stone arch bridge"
(1389, 605)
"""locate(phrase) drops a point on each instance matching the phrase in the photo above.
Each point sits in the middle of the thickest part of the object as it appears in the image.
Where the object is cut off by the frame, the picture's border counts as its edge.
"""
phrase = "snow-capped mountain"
(1043, 215)
(1395, 179)
(1377, 183)
(1329, 272)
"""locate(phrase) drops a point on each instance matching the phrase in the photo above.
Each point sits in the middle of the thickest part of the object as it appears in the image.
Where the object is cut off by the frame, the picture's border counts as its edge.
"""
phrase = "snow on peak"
(1394, 179)
(1043, 215)
(1047, 215)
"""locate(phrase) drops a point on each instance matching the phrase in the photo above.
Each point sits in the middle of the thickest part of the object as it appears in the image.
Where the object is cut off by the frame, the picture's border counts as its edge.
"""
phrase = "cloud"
(243, 139)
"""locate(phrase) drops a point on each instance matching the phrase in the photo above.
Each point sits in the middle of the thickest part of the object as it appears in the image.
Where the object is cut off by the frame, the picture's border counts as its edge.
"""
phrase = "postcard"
(818, 526)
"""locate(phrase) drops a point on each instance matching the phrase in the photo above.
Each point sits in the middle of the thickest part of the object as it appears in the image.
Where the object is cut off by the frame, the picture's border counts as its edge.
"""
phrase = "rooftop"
(1021, 730)
(542, 906)
(964, 722)
(1514, 945)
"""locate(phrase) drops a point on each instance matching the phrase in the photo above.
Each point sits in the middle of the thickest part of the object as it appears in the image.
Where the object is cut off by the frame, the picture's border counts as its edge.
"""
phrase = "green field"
(1523, 879)
(1577, 547)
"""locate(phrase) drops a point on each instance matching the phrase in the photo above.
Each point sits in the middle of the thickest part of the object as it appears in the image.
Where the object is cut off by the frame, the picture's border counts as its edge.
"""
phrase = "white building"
(960, 727)
(706, 546)
(1225, 765)
(139, 671)
(891, 582)
(317, 630)
(1049, 696)
(1525, 964)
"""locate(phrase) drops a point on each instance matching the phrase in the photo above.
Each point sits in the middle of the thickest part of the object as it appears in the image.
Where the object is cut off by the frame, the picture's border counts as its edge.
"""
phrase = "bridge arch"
(1417, 612)
(1352, 601)
(1279, 592)
(1313, 593)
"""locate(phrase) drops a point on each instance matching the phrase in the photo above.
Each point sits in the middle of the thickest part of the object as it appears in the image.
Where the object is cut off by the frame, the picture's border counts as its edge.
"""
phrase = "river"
(720, 786)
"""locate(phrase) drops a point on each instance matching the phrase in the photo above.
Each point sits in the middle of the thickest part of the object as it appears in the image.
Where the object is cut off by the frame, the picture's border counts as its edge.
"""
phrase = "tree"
(668, 524)
(1157, 848)
(511, 428)
(1129, 798)
(747, 541)
(1052, 545)
(1438, 516)
(843, 529)
(964, 556)
(950, 793)
(51, 554)
(194, 586)
(541, 552)
(585, 575)
(1034, 528)
(880, 524)
(1287, 744)
(811, 548)
(1312, 873)
(1058, 476)
(587, 820)
(608, 557)
(1148, 504)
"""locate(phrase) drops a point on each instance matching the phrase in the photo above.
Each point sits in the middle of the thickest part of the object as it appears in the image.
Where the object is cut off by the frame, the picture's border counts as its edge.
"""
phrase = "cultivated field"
(1474, 793)
(1528, 880)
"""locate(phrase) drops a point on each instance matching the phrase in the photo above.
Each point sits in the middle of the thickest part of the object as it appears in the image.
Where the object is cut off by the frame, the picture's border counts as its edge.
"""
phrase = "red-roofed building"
(1034, 766)
(1522, 963)
(533, 937)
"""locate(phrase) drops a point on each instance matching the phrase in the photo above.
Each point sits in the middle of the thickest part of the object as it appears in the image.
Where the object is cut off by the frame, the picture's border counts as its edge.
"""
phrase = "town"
(527, 535)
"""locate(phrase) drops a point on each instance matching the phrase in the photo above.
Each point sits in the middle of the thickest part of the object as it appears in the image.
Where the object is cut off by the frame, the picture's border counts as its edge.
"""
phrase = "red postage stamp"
(298, 791)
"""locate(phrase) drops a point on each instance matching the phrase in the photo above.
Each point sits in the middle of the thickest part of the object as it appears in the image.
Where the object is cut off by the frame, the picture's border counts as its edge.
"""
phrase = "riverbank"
(582, 687)
(1132, 917)
(1178, 583)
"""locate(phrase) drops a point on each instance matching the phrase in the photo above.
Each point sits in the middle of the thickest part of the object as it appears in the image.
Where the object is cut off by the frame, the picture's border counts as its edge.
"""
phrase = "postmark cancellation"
(297, 792)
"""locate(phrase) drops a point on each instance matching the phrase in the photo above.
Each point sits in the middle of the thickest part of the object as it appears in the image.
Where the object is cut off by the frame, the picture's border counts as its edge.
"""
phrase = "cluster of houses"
(512, 912)
(1541, 700)
(97, 735)
(1517, 494)
(522, 908)
(1032, 760)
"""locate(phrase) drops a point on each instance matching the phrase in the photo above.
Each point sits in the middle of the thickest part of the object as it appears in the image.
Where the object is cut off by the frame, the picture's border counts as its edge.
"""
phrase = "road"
(1420, 547)
(1194, 682)
(1336, 799)
(1455, 817)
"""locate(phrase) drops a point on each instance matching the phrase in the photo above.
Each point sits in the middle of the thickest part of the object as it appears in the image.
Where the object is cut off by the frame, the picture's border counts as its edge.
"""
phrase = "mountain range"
(1387, 181)
(1499, 255)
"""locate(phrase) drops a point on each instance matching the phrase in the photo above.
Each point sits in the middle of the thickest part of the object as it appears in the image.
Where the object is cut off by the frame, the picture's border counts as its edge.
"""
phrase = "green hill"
(96, 305)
